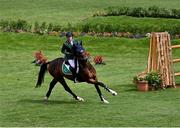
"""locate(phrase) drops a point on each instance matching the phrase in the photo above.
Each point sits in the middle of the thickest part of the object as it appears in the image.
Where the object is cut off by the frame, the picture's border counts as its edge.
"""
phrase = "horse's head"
(79, 51)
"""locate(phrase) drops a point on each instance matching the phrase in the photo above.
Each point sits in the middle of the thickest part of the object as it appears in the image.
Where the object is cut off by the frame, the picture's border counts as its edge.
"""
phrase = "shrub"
(137, 12)
(176, 13)
(50, 27)
(85, 27)
(152, 11)
(36, 27)
(15, 26)
(69, 27)
(40, 28)
(43, 28)
(57, 28)
(123, 10)
(99, 13)
(4, 25)
(113, 11)
(98, 26)
(23, 25)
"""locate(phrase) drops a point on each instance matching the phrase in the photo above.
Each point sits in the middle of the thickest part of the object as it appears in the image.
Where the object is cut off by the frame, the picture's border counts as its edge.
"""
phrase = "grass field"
(63, 11)
(22, 105)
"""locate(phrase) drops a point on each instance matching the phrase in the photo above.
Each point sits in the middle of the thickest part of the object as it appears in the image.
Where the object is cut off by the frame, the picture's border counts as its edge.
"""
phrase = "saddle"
(66, 68)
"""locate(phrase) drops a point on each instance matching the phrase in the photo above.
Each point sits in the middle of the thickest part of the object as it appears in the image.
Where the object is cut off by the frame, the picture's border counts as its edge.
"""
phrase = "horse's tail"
(42, 72)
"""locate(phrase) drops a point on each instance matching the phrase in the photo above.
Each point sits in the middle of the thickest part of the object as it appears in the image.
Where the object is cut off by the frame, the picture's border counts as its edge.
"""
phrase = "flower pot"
(152, 88)
(142, 86)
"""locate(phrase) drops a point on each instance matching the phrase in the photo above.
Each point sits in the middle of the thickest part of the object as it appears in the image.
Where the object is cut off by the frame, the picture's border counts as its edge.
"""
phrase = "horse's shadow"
(125, 88)
(131, 90)
(51, 102)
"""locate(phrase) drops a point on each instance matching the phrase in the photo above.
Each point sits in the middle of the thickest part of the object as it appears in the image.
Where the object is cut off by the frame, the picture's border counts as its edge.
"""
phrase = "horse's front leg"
(100, 94)
(94, 81)
(107, 88)
(66, 87)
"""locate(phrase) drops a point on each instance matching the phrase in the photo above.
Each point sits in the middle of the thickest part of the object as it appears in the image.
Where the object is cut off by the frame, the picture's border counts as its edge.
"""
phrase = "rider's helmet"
(69, 34)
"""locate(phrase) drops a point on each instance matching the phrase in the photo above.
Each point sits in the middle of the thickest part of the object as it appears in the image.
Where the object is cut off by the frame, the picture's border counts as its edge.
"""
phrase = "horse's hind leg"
(100, 94)
(107, 88)
(51, 86)
(66, 87)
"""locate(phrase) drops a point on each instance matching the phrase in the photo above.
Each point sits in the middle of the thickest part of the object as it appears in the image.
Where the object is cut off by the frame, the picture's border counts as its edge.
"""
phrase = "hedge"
(152, 11)
(101, 26)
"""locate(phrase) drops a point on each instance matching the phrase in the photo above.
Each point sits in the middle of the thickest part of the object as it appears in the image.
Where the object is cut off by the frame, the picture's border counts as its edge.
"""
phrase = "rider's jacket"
(67, 49)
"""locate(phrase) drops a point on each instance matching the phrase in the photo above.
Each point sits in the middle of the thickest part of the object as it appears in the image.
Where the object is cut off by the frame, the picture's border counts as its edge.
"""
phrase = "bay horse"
(87, 73)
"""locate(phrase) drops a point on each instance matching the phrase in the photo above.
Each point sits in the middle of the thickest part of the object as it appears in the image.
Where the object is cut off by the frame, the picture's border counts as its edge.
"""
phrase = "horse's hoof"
(80, 99)
(113, 92)
(105, 101)
(45, 98)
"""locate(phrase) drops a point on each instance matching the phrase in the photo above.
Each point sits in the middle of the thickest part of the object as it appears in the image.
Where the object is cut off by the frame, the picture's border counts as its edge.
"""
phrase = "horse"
(87, 73)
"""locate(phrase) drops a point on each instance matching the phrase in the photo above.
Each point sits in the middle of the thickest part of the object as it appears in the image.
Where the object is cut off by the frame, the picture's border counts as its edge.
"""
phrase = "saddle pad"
(66, 69)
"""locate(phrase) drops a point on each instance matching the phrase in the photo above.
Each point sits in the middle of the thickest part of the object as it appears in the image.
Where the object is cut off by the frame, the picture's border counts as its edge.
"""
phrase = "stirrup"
(75, 80)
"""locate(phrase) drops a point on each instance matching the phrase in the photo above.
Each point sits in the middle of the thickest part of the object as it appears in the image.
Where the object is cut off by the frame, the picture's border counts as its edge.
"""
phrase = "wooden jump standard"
(160, 58)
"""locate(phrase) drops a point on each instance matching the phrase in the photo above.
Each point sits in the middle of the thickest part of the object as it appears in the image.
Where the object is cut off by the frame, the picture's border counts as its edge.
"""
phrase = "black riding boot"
(74, 74)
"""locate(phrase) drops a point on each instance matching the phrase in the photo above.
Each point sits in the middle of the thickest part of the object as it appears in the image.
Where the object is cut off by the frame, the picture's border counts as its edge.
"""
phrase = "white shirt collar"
(72, 42)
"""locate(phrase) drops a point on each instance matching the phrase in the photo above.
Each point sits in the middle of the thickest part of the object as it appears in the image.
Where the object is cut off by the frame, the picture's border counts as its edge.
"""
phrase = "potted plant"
(141, 82)
(148, 81)
(154, 80)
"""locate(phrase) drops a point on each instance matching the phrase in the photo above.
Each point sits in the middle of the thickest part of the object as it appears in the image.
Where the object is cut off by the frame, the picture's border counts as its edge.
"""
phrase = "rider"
(67, 49)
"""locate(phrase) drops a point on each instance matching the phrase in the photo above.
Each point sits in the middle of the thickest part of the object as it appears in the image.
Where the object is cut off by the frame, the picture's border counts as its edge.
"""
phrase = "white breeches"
(72, 63)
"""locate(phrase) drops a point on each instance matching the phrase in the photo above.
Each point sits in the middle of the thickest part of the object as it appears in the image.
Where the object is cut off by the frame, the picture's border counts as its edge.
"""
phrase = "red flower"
(99, 60)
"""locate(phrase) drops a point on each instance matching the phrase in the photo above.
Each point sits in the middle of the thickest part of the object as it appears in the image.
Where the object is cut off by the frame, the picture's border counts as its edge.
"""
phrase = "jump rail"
(177, 74)
(176, 60)
(176, 46)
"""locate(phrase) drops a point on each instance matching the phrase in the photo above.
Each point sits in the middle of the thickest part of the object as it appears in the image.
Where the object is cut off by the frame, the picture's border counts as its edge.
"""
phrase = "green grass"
(131, 24)
(21, 104)
(63, 11)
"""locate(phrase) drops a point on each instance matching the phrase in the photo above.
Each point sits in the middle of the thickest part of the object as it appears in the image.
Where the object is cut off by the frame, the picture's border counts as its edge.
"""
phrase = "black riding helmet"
(69, 34)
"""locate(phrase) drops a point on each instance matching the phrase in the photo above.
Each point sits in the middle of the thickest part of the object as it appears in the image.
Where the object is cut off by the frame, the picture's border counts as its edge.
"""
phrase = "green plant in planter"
(154, 79)
(136, 79)
(139, 78)
(141, 82)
